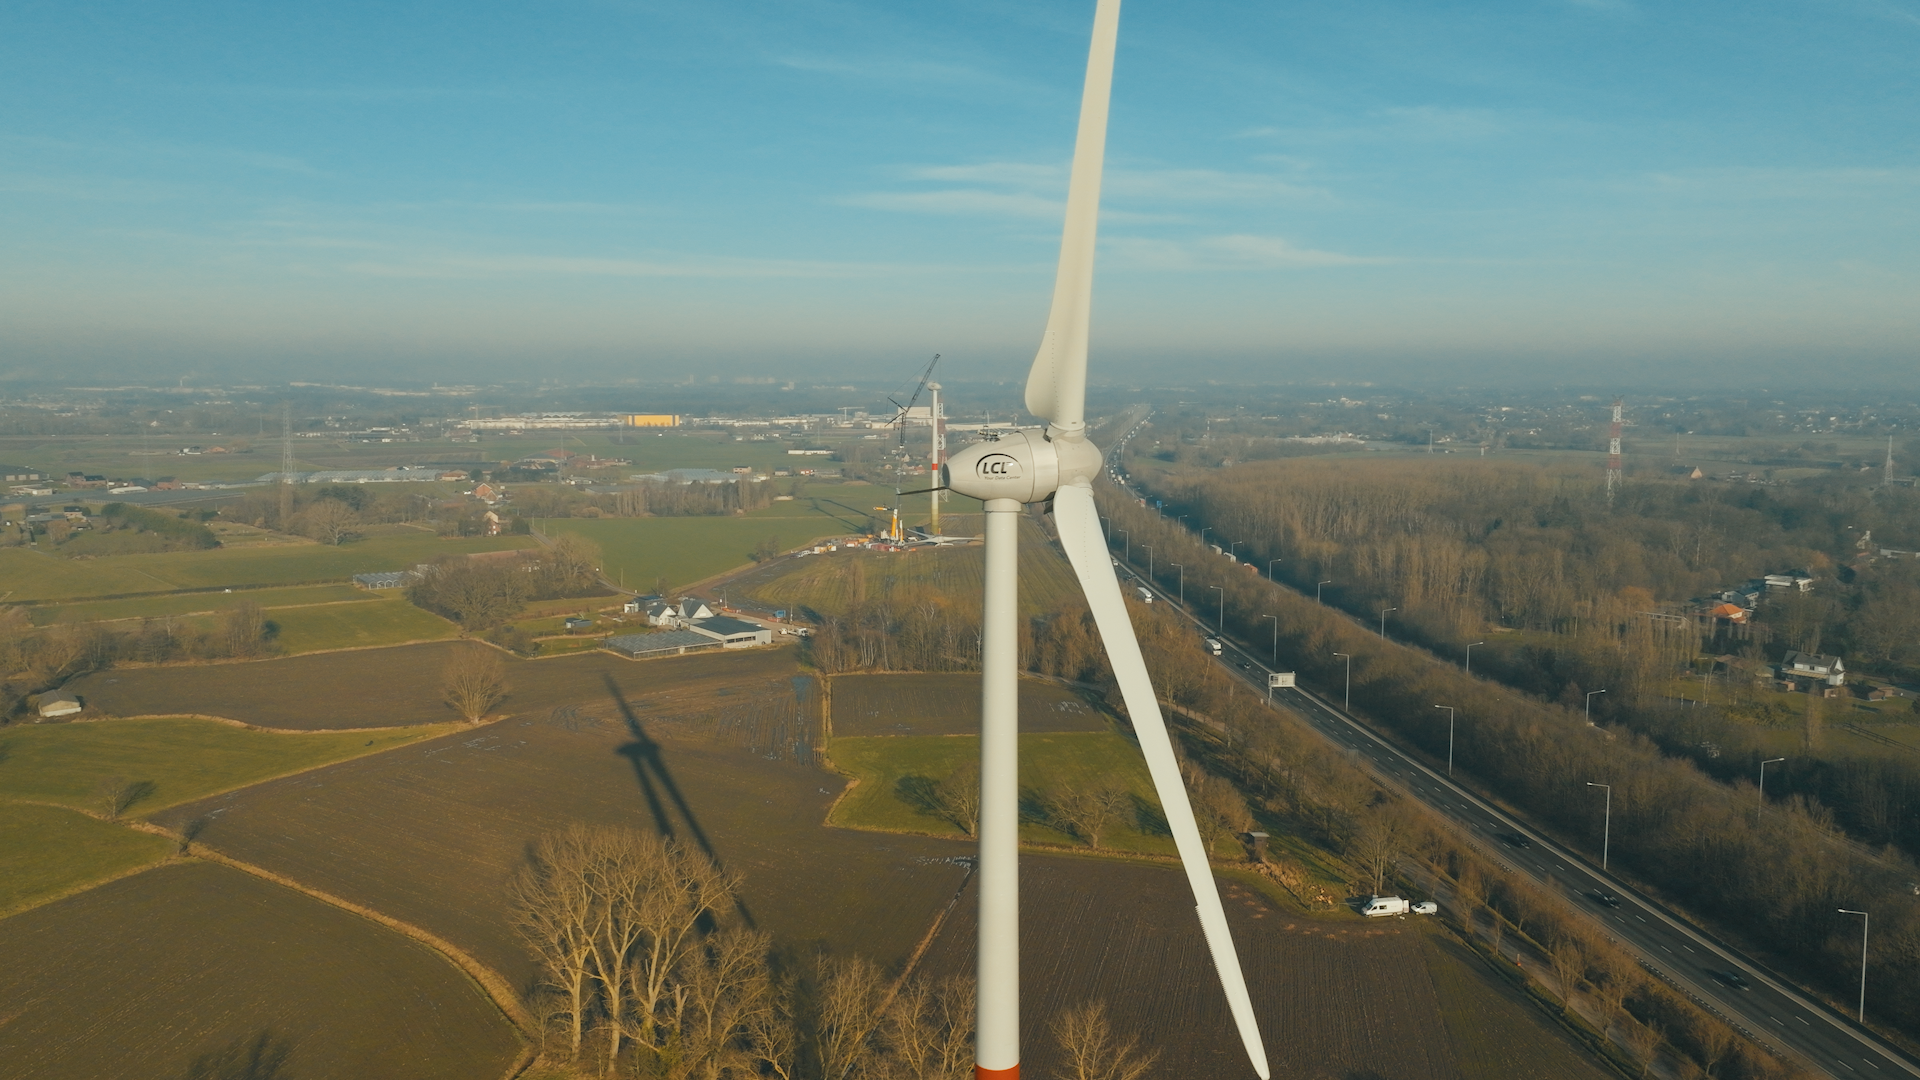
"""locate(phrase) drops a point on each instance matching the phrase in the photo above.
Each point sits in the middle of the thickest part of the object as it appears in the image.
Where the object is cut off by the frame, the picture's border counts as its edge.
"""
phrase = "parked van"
(1145, 595)
(1385, 905)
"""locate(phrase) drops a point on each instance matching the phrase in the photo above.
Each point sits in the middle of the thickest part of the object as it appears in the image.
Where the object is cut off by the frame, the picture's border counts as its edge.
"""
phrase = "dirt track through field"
(431, 834)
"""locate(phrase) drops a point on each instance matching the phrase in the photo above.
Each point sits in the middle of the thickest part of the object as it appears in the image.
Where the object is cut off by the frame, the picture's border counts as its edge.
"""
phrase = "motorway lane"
(1769, 1008)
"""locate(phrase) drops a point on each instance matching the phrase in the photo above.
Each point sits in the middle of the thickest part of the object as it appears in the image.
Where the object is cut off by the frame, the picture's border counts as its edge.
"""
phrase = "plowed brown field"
(430, 834)
(145, 976)
(939, 704)
(1337, 999)
(401, 685)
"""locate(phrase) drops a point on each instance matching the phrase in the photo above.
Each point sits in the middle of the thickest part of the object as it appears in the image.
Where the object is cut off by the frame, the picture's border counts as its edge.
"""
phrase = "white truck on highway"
(1145, 594)
(1213, 646)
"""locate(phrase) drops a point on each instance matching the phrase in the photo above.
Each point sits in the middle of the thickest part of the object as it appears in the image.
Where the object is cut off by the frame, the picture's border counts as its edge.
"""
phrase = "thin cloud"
(1776, 183)
(1238, 251)
(1021, 189)
(539, 266)
(964, 201)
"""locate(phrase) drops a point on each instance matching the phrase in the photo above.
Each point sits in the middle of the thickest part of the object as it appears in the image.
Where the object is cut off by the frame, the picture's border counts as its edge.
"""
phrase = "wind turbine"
(1057, 464)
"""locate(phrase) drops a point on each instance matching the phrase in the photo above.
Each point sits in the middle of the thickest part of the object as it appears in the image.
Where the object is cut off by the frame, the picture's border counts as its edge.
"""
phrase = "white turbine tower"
(1057, 463)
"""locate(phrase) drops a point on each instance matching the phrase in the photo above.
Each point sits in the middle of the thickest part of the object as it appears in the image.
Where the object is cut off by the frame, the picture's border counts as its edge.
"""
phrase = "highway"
(1765, 1006)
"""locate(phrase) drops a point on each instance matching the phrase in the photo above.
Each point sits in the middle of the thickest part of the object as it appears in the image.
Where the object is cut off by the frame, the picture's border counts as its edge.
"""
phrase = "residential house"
(1814, 667)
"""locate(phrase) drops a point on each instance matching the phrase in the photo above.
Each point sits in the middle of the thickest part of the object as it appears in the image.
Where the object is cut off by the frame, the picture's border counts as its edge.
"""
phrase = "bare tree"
(329, 520)
(1569, 964)
(554, 908)
(474, 681)
(1091, 1049)
(1379, 843)
(1089, 811)
(1644, 1042)
(1715, 1040)
(848, 1012)
(958, 796)
(245, 629)
(927, 1032)
(114, 794)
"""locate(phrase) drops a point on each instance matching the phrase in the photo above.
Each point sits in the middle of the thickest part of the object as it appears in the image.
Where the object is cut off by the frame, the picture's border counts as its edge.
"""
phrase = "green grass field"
(390, 621)
(32, 575)
(892, 770)
(156, 607)
(637, 551)
(1496, 1030)
(179, 758)
(47, 850)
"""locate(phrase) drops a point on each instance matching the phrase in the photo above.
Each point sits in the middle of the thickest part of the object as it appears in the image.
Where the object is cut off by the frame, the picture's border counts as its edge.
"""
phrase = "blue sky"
(1566, 190)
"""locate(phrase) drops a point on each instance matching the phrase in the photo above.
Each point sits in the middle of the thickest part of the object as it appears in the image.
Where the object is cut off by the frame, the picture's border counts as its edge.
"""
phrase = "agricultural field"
(639, 551)
(830, 584)
(184, 970)
(49, 850)
(395, 687)
(388, 621)
(31, 575)
(946, 704)
(195, 603)
(431, 833)
(1336, 996)
(168, 760)
(1496, 1029)
(897, 774)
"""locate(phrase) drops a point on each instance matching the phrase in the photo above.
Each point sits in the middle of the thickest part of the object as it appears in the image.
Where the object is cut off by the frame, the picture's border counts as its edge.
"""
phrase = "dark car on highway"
(1606, 898)
(1517, 840)
(1733, 979)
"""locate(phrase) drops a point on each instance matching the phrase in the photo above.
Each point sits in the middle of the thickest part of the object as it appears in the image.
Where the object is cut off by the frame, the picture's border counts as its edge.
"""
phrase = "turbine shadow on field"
(259, 1057)
(650, 769)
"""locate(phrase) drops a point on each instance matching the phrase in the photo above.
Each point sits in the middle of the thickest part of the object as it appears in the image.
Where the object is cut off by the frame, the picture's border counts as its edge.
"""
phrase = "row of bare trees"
(1697, 840)
(647, 964)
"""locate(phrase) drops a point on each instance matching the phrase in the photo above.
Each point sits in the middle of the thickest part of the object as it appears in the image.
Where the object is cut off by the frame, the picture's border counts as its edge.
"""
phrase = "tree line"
(484, 592)
(1699, 841)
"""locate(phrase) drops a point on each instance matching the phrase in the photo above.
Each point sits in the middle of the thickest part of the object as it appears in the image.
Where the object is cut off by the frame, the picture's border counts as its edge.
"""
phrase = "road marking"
(1638, 917)
(1777, 1020)
(1686, 946)
(1803, 1020)
(1666, 950)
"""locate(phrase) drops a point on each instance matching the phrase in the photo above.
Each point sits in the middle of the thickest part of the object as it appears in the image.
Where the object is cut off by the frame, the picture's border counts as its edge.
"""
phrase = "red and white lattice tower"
(1613, 452)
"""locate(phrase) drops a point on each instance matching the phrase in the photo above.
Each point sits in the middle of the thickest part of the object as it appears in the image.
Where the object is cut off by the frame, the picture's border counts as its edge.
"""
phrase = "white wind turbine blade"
(1078, 522)
(1057, 384)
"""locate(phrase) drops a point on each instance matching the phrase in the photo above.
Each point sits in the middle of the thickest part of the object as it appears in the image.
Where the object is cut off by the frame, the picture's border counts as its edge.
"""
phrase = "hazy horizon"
(1592, 192)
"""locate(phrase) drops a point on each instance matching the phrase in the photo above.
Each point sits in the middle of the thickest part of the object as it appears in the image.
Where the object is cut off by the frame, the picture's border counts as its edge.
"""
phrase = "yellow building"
(651, 419)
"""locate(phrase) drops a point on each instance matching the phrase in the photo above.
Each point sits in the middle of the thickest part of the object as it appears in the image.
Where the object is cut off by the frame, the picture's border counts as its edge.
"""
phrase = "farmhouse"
(733, 633)
(58, 703)
(1813, 666)
(668, 643)
(19, 474)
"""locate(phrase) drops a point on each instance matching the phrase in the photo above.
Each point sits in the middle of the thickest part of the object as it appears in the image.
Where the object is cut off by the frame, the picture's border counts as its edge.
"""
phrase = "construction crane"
(939, 433)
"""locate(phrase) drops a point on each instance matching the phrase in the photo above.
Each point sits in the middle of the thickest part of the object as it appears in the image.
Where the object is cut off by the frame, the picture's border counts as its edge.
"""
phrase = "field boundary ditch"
(490, 982)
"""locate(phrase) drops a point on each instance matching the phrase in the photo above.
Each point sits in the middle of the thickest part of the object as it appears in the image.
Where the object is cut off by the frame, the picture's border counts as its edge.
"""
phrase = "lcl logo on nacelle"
(997, 467)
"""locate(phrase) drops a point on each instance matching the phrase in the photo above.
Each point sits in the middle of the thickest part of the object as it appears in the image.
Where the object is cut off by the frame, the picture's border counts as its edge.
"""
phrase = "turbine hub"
(1025, 465)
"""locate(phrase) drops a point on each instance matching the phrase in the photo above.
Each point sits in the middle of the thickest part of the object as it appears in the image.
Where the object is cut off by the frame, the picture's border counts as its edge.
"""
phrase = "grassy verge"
(897, 773)
(156, 607)
(638, 551)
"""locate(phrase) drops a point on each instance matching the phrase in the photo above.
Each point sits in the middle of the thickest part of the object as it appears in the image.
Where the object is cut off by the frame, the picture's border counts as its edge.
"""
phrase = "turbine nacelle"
(1025, 465)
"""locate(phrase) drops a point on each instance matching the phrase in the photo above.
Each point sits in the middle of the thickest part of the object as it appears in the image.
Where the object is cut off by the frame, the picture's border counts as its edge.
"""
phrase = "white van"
(1146, 596)
(1385, 905)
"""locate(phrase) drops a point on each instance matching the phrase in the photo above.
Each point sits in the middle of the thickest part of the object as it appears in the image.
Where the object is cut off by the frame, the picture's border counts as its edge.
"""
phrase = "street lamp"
(1232, 546)
(1865, 921)
(1590, 694)
(1470, 656)
(1149, 548)
(1449, 709)
(1270, 563)
(1183, 581)
(1383, 621)
(1316, 590)
(1276, 638)
(1106, 526)
(1606, 832)
(1348, 707)
(1127, 539)
(1223, 607)
(1763, 781)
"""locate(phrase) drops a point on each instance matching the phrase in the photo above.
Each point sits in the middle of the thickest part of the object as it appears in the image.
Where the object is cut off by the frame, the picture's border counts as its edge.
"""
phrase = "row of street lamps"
(1606, 828)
